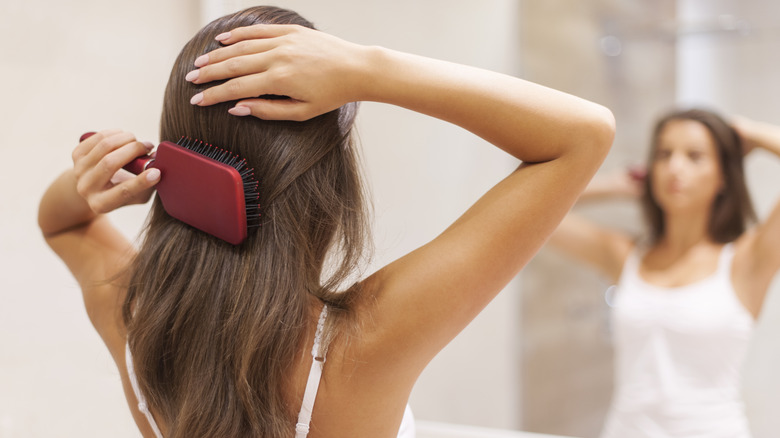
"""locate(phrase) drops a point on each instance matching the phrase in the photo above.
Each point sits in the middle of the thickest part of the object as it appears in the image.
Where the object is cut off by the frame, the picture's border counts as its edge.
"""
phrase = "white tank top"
(678, 357)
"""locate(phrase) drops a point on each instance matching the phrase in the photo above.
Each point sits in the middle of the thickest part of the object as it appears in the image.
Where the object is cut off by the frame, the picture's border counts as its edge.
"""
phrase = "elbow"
(602, 130)
(594, 137)
(45, 224)
(589, 140)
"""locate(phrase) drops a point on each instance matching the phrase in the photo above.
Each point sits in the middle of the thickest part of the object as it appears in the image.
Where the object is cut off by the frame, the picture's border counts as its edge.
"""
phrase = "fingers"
(239, 42)
(230, 61)
(274, 109)
(237, 88)
(298, 64)
(245, 63)
(136, 190)
(97, 163)
(256, 31)
(109, 155)
(121, 176)
(244, 53)
(86, 145)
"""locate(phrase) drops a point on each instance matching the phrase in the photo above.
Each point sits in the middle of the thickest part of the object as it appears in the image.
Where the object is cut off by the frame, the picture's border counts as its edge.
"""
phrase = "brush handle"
(136, 167)
(139, 164)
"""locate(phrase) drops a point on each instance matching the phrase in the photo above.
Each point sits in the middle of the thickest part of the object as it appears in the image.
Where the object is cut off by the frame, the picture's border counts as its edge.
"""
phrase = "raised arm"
(761, 247)
(427, 297)
(72, 219)
(319, 72)
(599, 247)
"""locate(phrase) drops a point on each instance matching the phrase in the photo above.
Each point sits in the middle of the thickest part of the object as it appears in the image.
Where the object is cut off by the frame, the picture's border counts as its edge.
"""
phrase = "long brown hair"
(214, 328)
(732, 210)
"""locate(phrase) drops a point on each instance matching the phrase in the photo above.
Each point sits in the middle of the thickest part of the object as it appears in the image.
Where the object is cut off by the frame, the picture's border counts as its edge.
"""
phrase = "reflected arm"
(598, 247)
(762, 244)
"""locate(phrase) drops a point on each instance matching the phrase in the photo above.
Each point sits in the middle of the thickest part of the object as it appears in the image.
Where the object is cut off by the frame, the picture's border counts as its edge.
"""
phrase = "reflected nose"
(676, 163)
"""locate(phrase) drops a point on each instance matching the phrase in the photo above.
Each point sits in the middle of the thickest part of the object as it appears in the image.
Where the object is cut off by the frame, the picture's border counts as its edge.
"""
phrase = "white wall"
(82, 65)
(67, 67)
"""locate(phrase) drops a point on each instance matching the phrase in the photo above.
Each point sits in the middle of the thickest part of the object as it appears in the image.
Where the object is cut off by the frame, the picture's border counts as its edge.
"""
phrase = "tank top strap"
(631, 264)
(725, 259)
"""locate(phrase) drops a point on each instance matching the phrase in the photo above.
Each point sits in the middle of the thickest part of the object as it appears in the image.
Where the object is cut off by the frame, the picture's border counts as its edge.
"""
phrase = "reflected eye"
(662, 154)
(694, 155)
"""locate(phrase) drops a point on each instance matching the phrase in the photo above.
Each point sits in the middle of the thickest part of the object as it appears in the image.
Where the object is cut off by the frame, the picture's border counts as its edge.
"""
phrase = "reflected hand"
(746, 129)
(100, 179)
(628, 181)
(312, 71)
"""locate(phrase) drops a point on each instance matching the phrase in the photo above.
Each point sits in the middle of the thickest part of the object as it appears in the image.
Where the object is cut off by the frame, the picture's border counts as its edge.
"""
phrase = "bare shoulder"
(366, 371)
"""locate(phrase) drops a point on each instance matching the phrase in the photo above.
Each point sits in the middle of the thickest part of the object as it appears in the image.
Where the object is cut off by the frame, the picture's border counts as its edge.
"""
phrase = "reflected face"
(686, 170)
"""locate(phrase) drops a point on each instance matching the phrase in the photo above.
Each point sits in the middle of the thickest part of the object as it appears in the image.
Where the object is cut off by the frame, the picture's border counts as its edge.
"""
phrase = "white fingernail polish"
(153, 175)
(191, 76)
(201, 60)
(240, 111)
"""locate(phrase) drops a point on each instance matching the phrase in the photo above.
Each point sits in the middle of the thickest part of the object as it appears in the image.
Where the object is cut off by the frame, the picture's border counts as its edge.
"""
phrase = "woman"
(213, 339)
(687, 298)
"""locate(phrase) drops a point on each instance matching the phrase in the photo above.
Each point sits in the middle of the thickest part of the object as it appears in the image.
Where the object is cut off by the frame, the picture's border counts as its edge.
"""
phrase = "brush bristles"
(251, 185)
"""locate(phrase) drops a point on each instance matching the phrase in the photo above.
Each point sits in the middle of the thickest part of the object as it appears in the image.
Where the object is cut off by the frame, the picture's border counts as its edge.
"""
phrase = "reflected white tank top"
(678, 357)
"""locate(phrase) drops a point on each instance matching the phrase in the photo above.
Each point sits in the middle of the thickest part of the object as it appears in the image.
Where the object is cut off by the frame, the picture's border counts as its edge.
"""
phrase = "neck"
(685, 230)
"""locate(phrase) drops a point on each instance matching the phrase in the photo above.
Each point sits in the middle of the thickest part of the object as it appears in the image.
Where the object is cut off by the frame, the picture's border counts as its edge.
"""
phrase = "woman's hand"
(100, 180)
(312, 71)
(72, 222)
(746, 129)
(757, 135)
(621, 183)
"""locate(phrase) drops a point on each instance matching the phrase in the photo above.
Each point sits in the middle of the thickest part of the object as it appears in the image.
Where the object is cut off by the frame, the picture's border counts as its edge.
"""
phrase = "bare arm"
(72, 220)
(761, 247)
(601, 248)
(427, 297)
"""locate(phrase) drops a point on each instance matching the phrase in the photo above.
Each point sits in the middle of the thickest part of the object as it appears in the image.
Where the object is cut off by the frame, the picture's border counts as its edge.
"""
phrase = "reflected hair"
(214, 328)
(732, 211)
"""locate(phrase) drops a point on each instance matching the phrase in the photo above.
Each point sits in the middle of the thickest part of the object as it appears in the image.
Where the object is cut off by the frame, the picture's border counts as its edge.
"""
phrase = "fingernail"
(149, 145)
(196, 99)
(153, 175)
(223, 36)
(240, 111)
(202, 60)
(191, 76)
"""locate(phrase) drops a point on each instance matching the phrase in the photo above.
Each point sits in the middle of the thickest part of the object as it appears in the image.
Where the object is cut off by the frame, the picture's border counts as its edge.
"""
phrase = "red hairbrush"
(204, 186)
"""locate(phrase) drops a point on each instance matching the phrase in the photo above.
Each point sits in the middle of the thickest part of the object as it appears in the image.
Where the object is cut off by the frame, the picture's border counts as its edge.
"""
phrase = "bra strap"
(142, 406)
(315, 375)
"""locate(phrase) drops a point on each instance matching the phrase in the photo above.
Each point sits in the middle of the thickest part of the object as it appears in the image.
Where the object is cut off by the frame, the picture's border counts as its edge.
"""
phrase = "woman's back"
(220, 335)
(338, 393)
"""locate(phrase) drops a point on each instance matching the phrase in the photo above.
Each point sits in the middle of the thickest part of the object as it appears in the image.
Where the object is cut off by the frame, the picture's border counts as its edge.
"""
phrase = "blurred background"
(539, 358)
